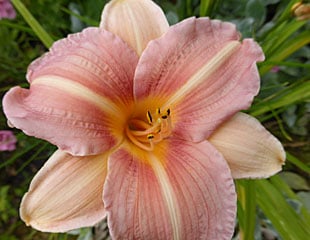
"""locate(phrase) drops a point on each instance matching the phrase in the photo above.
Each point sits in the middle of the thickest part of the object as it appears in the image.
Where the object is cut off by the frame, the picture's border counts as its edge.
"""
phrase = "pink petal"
(201, 72)
(79, 93)
(66, 193)
(250, 150)
(136, 21)
(182, 190)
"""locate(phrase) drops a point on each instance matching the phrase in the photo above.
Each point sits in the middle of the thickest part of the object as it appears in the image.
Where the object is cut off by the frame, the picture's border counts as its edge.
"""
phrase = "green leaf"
(286, 13)
(283, 217)
(290, 95)
(283, 51)
(305, 198)
(297, 163)
(267, 2)
(172, 17)
(294, 181)
(279, 35)
(207, 7)
(246, 208)
(33, 23)
(17, 154)
(6, 22)
(81, 18)
(256, 10)
(285, 189)
(37, 152)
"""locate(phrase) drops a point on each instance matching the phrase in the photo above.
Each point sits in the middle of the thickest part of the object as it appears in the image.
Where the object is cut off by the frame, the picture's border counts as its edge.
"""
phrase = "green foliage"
(35, 26)
(279, 205)
(246, 208)
(286, 220)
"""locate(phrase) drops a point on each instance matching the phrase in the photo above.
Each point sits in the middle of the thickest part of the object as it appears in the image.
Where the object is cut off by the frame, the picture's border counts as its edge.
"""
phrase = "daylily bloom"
(146, 120)
(7, 140)
(7, 10)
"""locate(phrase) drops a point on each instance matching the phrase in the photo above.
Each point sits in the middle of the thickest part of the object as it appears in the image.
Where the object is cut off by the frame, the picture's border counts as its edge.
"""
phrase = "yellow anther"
(150, 136)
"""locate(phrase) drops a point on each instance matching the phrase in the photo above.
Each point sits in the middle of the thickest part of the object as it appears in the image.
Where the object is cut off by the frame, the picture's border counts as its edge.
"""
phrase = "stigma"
(147, 133)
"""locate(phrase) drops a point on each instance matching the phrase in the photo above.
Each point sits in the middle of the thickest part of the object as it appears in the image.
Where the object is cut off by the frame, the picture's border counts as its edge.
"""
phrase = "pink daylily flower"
(146, 120)
(7, 10)
(7, 140)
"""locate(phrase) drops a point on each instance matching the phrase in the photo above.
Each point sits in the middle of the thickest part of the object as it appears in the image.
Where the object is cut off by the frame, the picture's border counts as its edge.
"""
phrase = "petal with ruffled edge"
(79, 93)
(250, 150)
(136, 21)
(182, 190)
(66, 193)
(201, 72)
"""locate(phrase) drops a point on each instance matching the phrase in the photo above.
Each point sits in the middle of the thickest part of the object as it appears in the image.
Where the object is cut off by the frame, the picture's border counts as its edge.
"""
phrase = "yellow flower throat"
(146, 134)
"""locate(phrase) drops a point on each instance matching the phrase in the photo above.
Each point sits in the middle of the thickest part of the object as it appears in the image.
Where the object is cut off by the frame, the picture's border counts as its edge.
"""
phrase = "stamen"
(149, 117)
(139, 124)
(150, 136)
(151, 143)
(144, 134)
(138, 143)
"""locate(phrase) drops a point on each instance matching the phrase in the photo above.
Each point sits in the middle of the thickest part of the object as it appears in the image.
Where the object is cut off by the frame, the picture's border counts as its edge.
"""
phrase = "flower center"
(146, 133)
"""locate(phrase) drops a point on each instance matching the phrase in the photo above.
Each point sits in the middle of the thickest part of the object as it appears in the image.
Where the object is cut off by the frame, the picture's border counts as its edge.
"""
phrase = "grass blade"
(275, 207)
(247, 201)
(33, 23)
(292, 94)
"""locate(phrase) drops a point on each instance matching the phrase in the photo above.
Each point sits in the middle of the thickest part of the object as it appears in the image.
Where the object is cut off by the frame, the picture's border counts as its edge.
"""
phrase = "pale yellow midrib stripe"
(168, 194)
(136, 31)
(78, 90)
(204, 72)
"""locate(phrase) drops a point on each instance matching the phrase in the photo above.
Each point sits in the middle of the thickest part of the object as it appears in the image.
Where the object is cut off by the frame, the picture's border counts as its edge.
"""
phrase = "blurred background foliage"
(277, 208)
